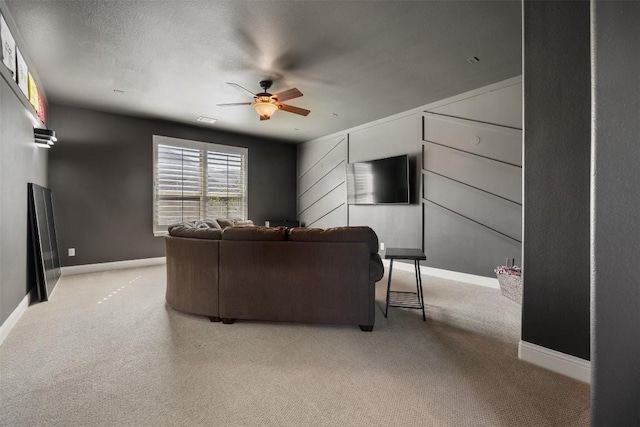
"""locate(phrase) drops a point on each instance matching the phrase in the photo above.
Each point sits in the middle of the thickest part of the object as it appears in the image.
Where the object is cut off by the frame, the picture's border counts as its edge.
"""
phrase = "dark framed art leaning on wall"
(44, 244)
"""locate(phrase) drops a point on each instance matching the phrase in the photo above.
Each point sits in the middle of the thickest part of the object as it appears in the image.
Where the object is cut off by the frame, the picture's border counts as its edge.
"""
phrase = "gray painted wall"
(472, 180)
(101, 177)
(21, 161)
(556, 176)
(322, 190)
(461, 185)
(395, 225)
(322, 182)
(616, 235)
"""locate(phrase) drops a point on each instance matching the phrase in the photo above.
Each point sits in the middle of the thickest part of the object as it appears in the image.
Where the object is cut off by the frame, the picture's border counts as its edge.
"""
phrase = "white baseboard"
(555, 361)
(488, 282)
(13, 318)
(117, 265)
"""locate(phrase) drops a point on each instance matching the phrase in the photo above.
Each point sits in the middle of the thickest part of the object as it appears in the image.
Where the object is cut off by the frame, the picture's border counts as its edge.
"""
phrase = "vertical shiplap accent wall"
(322, 183)
(472, 181)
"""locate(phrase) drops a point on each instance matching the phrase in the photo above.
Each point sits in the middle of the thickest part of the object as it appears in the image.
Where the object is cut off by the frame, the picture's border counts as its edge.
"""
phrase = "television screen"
(378, 181)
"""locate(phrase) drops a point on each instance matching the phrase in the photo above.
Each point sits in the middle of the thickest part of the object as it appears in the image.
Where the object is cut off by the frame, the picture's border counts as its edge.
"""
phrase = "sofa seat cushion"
(337, 234)
(196, 230)
(255, 233)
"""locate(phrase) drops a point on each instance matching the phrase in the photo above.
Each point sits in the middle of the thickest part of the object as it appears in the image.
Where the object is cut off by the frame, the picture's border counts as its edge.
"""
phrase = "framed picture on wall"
(44, 243)
(22, 73)
(33, 91)
(8, 47)
(40, 108)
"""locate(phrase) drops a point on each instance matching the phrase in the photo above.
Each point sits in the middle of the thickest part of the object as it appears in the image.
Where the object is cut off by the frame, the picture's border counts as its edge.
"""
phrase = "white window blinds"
(197, 181)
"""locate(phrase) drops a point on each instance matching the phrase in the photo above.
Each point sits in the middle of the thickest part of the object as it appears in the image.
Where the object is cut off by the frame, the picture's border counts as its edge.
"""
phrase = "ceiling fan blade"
(264, 118)
(241, 89)
(233, 104)
(289, 94)
(295, 110)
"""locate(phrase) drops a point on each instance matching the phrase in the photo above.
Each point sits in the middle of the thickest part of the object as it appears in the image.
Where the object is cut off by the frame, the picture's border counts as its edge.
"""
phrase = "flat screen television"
(379, 181)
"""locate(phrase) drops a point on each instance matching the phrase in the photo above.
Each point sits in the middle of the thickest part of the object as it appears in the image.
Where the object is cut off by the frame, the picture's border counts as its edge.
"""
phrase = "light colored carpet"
(107, 351)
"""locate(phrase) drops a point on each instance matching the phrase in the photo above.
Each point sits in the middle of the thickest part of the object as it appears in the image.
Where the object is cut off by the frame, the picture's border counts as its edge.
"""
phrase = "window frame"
(204, 147)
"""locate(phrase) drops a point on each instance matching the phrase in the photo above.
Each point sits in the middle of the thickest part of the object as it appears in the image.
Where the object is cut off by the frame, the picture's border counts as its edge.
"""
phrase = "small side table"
(405, 299)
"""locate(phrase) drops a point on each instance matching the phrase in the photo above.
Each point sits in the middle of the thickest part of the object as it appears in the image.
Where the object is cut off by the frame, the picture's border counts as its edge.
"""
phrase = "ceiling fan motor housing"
(265, 85)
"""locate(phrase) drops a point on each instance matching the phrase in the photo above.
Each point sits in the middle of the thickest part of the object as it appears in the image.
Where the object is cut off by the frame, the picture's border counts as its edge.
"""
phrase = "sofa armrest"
(192, 275)
(376, 268)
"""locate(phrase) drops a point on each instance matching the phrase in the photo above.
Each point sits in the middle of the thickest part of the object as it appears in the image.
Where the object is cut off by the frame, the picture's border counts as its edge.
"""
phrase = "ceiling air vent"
(206, 120)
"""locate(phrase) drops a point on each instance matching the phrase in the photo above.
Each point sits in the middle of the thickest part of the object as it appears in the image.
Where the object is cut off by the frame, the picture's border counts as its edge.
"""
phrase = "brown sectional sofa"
(275, 274)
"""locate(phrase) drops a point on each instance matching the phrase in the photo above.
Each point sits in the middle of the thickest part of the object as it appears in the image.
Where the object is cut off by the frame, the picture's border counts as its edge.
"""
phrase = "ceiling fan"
(266, 104)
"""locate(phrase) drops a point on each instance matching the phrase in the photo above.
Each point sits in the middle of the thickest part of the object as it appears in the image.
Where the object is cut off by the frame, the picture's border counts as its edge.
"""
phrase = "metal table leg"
(386, 309)
(419, 286)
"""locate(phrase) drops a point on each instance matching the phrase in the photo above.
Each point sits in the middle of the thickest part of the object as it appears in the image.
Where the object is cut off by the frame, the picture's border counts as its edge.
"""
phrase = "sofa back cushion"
(337, 234)
(197, 231)
(255, 233)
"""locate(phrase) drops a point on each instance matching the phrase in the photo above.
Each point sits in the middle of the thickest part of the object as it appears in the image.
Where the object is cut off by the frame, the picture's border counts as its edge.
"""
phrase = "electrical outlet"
(381, 246)
(72, 251)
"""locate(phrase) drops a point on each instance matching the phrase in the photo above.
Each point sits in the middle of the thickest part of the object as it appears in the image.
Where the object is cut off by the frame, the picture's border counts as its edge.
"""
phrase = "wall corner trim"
(13, 318)
(561, 363)
(116, 265)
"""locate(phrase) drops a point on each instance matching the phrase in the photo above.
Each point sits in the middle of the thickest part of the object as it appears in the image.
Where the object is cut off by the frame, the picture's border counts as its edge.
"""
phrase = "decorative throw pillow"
(209, 223)
(224, 222)
(212, 223)
(243, 223)
(233, 222)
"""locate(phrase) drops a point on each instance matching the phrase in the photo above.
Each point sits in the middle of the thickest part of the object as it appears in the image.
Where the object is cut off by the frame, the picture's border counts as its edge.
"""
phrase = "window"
(196, 181)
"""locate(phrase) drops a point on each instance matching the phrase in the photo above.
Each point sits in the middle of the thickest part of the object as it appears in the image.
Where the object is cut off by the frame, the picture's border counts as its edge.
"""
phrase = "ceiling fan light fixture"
(266, 104)
(265, 109)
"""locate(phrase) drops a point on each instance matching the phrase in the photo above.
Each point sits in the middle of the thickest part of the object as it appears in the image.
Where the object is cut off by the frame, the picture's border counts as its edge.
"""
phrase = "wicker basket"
(511, 286)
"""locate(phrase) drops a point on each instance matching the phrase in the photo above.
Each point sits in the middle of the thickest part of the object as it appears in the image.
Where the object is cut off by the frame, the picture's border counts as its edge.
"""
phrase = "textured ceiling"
(355, 61)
